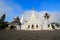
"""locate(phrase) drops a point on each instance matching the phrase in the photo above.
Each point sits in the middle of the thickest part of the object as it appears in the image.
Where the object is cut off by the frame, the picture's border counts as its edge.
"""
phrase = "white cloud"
(11, 9)
(54, 15)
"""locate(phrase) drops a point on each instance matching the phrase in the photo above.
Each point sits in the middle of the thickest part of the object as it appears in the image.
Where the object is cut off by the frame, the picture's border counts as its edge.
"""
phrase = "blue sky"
(14, 8)
(40, 5)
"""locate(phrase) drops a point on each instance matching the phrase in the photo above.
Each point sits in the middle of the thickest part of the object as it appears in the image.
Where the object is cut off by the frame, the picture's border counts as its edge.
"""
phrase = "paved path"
(29, 35)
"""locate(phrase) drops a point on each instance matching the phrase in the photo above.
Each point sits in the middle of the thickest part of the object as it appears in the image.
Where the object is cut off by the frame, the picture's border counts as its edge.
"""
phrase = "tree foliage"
(46, 16)
(2, 18)
(3, 24)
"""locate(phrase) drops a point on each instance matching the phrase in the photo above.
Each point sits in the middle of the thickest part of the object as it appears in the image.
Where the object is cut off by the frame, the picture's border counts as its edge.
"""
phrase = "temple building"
(34, 23)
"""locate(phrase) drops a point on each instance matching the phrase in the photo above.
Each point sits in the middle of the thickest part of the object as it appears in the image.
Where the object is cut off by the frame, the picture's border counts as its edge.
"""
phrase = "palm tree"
(56, 24)
(47, 16)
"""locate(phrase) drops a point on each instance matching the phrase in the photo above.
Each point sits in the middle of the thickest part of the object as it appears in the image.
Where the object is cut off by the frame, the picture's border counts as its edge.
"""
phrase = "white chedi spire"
(22, 19)
(33, 17)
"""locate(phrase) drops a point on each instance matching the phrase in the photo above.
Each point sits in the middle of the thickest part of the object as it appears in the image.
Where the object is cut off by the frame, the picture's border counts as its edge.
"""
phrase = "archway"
(13, 27)
(32, 26)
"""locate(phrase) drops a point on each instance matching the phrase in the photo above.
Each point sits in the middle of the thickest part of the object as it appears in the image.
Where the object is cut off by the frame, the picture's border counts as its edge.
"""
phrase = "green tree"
(3, 24)
(2, 19)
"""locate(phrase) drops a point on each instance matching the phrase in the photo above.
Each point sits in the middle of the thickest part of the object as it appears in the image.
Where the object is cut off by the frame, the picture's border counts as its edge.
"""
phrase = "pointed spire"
(22, 19)
(33, 14)
(33, 17)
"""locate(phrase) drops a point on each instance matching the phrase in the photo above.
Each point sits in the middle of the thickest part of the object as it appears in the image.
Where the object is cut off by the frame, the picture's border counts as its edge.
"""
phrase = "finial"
(33, 8)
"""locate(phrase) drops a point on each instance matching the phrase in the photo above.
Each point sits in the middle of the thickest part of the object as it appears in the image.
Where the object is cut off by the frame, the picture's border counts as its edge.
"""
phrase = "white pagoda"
(34, 23)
